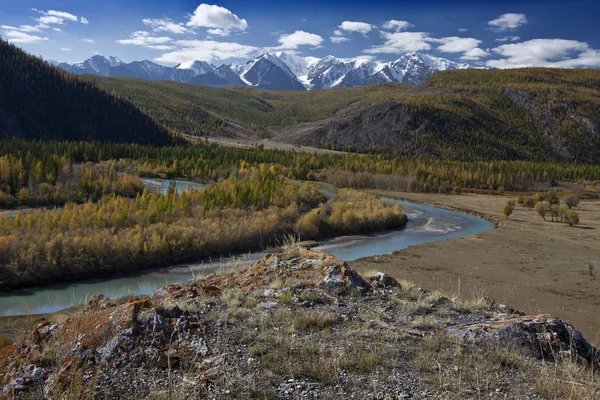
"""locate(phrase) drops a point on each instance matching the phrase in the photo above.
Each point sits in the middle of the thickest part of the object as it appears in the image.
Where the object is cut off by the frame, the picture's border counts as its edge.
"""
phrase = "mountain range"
(274, 71)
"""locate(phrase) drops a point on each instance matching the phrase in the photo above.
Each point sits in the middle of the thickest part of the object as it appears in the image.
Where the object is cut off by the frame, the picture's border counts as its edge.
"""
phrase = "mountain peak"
(111, 60)
(197, 67)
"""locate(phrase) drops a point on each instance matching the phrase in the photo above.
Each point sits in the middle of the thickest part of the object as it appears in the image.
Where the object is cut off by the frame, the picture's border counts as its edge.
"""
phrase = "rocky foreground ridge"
(301, 324)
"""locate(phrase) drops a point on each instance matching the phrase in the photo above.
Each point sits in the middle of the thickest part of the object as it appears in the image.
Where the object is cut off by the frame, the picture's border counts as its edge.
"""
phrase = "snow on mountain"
(268, 72)
(300, 66)
(276, 71)
(197, 67)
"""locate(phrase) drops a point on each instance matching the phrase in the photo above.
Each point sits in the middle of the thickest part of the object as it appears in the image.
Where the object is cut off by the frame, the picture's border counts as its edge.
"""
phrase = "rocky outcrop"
(227, 336)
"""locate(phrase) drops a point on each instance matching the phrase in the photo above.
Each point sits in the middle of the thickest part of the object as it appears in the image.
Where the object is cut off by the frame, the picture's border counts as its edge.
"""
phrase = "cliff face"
(297, 324)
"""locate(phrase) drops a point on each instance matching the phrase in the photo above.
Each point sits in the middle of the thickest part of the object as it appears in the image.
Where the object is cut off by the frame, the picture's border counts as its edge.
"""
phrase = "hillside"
(205, 111)
(525, 114)
(301, 324)
(38, 101)
(528, 114)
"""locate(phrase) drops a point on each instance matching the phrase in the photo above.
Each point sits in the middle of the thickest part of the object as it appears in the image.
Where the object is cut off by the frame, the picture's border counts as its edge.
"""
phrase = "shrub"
(507, 210)
(572, 218)
(542, 208)
(551, 197)
(571, 201)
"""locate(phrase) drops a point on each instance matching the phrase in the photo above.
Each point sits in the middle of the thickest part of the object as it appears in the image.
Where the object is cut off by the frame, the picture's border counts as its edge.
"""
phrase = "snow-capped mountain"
(413, 68)
(276, 71)
(97, 65)
(269, 72)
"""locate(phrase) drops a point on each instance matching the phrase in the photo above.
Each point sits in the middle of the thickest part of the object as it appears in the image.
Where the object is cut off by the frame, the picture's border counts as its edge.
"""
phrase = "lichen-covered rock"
(340, 279)
(542, 336)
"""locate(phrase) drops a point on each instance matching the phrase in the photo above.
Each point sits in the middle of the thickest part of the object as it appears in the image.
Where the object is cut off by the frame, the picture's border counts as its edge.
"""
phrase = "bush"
(507, 210)
(551, 197)
(571, 201)
(542, 208)
(572, 218)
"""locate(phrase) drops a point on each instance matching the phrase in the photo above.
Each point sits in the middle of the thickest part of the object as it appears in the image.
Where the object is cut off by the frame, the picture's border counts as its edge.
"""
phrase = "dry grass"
(5, 340)
(314, 320)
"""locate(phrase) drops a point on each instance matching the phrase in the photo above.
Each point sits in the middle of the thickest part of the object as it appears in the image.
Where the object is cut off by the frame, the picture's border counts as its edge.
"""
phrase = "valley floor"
(533, 265)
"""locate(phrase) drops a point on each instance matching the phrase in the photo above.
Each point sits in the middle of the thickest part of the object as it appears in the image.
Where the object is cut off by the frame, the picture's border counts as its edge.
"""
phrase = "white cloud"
(338, 39)
(53, 17)
(165, 25)
(144, 39)
(401, 42)
(337, 32)
(554, 53)
(397, 25)
(508, 22)
(462, 29)
(88, 40)
(57, 29)
(62, 15)
(65, 49)
(508, 39)
(23, 37)
(218, 32)
(299, 38)
(24, 28)
(454, 44)
(474, 54)
(207, 50)
(216, 17)
(360, 27)
(49, 20)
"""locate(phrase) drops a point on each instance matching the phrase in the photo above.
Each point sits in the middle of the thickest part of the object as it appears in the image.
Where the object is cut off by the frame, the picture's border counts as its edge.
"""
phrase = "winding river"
(426, 224)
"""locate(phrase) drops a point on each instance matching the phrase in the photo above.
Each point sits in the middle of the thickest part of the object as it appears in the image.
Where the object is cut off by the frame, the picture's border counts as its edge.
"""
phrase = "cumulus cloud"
(88, 40)
(338, 39)
(65, 49)
(474, 54)
(401, 42)
(467, 46)
(207, 50)
(555, 53)
(216, 17)
(145, 39)
(23, 28)
(53, 17)
(218, 32)
(23, 37)
(454, 44)
(165, 25)
(462, 29)
(63, 15)
(508, 39)
(352, 26)
(507, 22)
(397, 25)
(299, 38)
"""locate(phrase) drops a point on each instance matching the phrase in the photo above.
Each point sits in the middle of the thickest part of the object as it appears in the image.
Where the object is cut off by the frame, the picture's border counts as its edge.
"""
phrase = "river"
(426, 224)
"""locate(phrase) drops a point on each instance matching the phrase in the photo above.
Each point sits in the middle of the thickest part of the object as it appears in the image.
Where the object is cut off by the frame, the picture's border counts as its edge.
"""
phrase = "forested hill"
(536, 114)
(38, 101)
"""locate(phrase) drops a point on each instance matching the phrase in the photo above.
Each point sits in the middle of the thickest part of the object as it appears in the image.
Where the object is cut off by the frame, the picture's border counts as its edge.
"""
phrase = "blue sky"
(495, 34)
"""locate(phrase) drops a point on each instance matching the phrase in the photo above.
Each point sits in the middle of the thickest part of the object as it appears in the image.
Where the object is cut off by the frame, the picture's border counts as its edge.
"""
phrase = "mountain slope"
(38, 101)
(527, 114)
